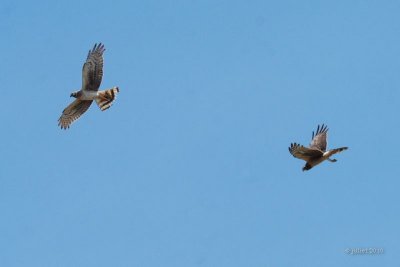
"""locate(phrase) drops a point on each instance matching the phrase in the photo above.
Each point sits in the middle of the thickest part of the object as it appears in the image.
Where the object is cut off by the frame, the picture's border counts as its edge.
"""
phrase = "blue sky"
(190, 166)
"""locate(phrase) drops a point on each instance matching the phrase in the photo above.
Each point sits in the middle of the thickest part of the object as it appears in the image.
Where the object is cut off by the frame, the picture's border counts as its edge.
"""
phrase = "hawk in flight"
(92, 74)
(316, 153)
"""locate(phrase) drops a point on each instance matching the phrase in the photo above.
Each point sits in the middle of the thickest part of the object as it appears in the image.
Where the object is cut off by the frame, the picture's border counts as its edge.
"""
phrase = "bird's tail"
(340, 149)
(336, 150)
(105, 98)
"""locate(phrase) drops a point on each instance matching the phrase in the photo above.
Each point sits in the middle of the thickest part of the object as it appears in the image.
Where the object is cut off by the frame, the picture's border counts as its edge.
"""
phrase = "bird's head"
(74, 94)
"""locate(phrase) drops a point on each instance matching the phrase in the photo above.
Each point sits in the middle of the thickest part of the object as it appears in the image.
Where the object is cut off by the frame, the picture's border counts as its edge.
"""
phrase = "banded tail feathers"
(338, 150)
(105, 98)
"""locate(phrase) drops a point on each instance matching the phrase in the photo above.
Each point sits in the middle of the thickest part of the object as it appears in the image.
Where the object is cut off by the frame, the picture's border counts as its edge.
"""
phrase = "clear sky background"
(190, 166)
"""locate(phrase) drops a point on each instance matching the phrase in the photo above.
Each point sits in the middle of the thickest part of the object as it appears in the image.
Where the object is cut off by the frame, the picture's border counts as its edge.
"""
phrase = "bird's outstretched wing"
(92, 71)
(73, 112)
(319, 138)
(304, 153)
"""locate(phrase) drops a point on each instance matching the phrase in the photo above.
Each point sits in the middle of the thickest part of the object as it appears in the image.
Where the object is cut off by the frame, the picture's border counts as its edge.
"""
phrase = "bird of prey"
(316, 153)
(92, 73)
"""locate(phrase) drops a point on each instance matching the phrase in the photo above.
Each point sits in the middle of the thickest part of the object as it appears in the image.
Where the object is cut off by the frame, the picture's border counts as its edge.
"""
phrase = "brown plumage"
(92, 74)
(316, 153)
(105, 98)
(73, 112)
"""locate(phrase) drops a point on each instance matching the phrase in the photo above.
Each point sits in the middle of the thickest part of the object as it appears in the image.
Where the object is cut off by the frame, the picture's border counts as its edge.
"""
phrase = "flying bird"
(92, 73)
(316, 153)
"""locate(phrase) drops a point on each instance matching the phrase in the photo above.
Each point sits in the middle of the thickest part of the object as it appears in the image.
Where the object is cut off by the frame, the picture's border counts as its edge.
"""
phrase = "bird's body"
(87, 95)
(316, 153)
(92, 74)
